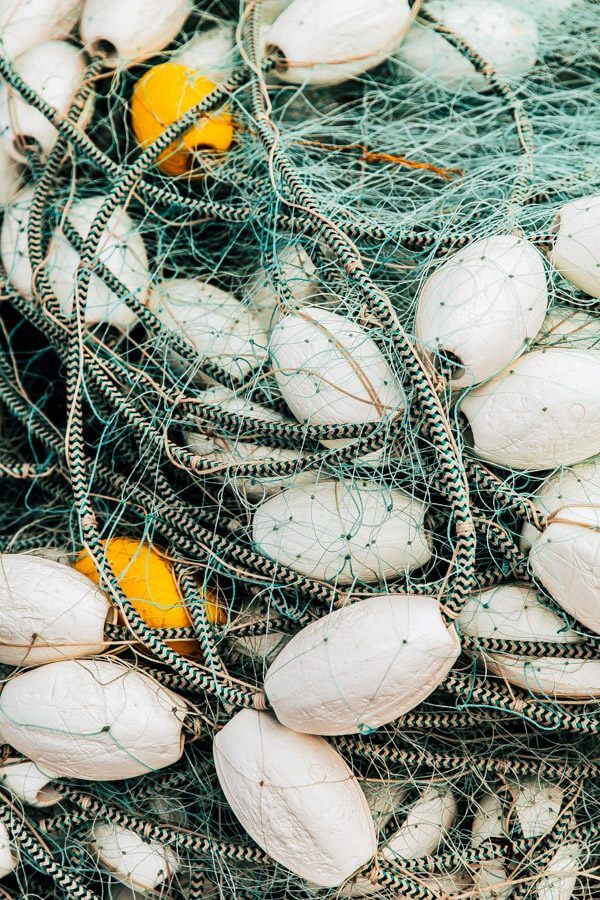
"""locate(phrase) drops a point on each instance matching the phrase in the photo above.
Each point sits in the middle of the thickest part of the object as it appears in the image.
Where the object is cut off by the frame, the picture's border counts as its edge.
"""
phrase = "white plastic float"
(262, 648)
(362, 666)
(295, 796)
(540, 413)
(48, 612)
(10, 178)
(121, 249)
(515, 612)
(95, 720)
(560, 875)
(220, 328)
(565, 326)
(8, 855)
(28, 783)
(229, 451)
(55, 70)
(425, 826)
(134, 30)
(536, 803)
(482, 306)
(327, 43)
(299, 274)
(343, 531)
(211, 51)
(141, 865)
(13, 243)
(547, 15)
(25, 23)
(565, 556)
(330, 371)
(576, 249)
(506, 38)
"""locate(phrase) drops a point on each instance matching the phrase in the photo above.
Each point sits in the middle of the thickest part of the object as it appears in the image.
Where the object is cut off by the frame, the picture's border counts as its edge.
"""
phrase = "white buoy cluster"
(522, 376)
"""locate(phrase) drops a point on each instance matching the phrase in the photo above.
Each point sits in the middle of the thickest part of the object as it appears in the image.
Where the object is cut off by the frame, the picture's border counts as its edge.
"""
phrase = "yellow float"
(146, 578)
(164, 94)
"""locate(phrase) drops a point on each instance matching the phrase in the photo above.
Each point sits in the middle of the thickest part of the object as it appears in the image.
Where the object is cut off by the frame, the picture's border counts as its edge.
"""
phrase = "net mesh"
(176, 434)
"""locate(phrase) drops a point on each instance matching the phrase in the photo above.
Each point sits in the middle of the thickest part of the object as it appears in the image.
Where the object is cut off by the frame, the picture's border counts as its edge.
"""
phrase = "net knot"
(260, 702)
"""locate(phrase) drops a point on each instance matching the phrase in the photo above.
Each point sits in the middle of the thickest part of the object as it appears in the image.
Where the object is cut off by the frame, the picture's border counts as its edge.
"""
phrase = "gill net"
(373, 182)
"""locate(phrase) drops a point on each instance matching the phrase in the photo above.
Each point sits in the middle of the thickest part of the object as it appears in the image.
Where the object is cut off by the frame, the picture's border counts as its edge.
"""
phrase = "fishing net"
(345, 199)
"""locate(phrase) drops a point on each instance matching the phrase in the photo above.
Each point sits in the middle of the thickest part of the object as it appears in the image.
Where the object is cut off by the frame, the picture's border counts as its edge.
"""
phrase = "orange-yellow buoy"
(162, 96)
(146, 578)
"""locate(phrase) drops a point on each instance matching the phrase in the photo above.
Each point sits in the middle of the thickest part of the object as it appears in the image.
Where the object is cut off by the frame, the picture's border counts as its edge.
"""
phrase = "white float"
(362, 666)
(25, 23)
(343, 531)
(560, 875)
(263, 648)
(10, 178)
(483, 306)
(54, 70)
(141, 865)
(96, 720)
(225, 451)
(327, 43)
(8, 855)
(577, 485)
(425, 827)
(27, 783)
(13, 243)
(536, 804)
(48, 612)
(122, 251)
(295, 796)
(220, 328)
(132, 31)
(299, 274)
(565, 558)
(330, 371)
(506, 38)
(576, 248)
(515, 612)
(565, 326)
(540, 413)
(212, 52)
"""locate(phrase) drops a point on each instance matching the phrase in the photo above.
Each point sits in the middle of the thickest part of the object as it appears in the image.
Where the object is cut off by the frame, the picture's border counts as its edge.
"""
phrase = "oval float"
(425, 827)
(142, 865)
(48, 612)
(541, 413)
(133, 31)
(220, 328)
(362, 666)
(565, 558)
(326, 44)
(122, 251)
(295, 796)
(330, 371)
(25, 23)
(54, 70)
(576, 249)
(92, 719)
(227, 451)
(482, 306)
(506, 38)
(343, 531)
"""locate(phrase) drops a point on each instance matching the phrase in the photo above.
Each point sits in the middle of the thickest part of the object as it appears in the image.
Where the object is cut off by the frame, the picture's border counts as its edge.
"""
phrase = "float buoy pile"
(300, 449)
